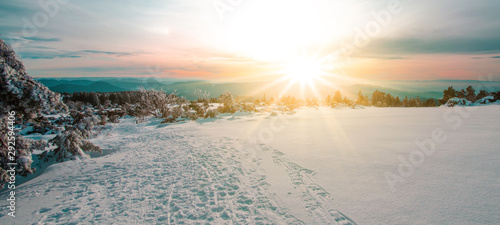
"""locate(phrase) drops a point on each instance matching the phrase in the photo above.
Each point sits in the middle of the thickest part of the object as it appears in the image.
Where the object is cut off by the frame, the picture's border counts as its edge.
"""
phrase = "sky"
(245, 40)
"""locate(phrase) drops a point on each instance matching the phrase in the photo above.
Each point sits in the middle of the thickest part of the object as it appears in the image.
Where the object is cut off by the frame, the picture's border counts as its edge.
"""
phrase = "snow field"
(315, 166)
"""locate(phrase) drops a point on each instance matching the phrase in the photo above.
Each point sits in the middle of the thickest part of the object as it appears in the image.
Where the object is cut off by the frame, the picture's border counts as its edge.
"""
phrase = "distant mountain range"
(252, 90)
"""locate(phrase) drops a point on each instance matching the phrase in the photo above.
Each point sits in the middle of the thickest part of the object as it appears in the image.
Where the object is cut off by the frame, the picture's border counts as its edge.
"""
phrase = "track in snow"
(168, 176)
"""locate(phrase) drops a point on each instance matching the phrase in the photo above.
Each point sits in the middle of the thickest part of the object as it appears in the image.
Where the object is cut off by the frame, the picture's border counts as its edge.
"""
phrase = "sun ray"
(268, 86)
(286, 88)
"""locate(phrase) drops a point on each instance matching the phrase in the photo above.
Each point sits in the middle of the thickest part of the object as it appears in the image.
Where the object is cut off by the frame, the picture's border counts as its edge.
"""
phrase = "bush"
(172, 114)
(211, 113)
(486, 100)
(248, 107)
(70, 145)
(229, 103)
(24, 148)
(114, 119)
(457, 101)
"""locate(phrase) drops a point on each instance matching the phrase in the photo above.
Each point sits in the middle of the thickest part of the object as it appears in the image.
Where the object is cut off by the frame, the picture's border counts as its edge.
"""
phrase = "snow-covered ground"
(315, 166)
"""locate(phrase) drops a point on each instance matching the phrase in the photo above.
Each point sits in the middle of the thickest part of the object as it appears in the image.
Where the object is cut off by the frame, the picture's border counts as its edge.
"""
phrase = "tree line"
(469, 94)
(377, 99)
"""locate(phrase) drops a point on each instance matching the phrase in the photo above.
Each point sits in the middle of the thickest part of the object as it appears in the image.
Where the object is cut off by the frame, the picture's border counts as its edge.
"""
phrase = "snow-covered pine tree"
(29, 98)
(72, 144)
(19, 92)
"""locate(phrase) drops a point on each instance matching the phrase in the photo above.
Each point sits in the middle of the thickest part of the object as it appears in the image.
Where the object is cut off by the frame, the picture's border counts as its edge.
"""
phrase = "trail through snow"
(174, 175)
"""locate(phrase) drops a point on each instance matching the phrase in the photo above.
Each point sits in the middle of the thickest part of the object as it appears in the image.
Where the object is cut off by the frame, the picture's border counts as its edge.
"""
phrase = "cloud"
(106, 52)
(495, 57)
(394, 58)
(41, 39)
(437, 46)
(36, 54)
(97, 69)
(47, 55)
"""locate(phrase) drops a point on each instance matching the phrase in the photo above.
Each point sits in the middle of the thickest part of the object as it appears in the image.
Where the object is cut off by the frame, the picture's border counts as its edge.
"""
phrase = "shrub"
(24, 148)
(211, 113)
(457, 101)
(72, 144)
(114, 119)
(229, 103)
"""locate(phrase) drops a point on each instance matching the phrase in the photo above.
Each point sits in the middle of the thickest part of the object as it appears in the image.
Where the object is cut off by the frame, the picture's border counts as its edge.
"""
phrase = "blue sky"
(214, 39)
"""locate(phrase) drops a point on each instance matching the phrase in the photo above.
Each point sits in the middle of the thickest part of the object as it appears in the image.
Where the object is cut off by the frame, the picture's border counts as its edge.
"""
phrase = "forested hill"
(423, 89)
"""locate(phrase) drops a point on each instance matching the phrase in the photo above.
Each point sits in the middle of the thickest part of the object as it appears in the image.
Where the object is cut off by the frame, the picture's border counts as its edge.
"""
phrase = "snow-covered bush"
(42, 125)
(211, 113)
(70, 145)
(229, 103)
(288, 103)
(486, 100)
(103, 120)
(248, 107)
(458, 101)
(173, 114)
(114, 119)
(23, 146)
(190, 115)
(157, 103)
(199, 109)
(202, 96)
(85, 123)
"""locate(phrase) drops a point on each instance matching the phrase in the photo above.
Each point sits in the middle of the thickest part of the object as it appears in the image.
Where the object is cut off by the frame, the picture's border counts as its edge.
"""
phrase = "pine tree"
(461, 94)
(328, 100)
(429, 102)
(482, 94)
(337, 97)
(470, 94)
(361, 100)
(397, 102)
(447, 94)
(72, 144)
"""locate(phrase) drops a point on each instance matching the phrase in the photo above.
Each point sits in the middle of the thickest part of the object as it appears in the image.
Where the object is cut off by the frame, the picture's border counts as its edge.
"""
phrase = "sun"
(304, 69)
(274, 30)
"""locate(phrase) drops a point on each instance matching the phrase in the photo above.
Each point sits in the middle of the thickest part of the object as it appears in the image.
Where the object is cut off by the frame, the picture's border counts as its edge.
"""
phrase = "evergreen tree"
(378, 98)
(461, 94)
(397, 102)
(337, 97)
(482, 94)
(470, 94)
(70, 144)
(447, 94)
(406, 102)
(496, 95)
(430, 102)
(328, 100)
(362, 100)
